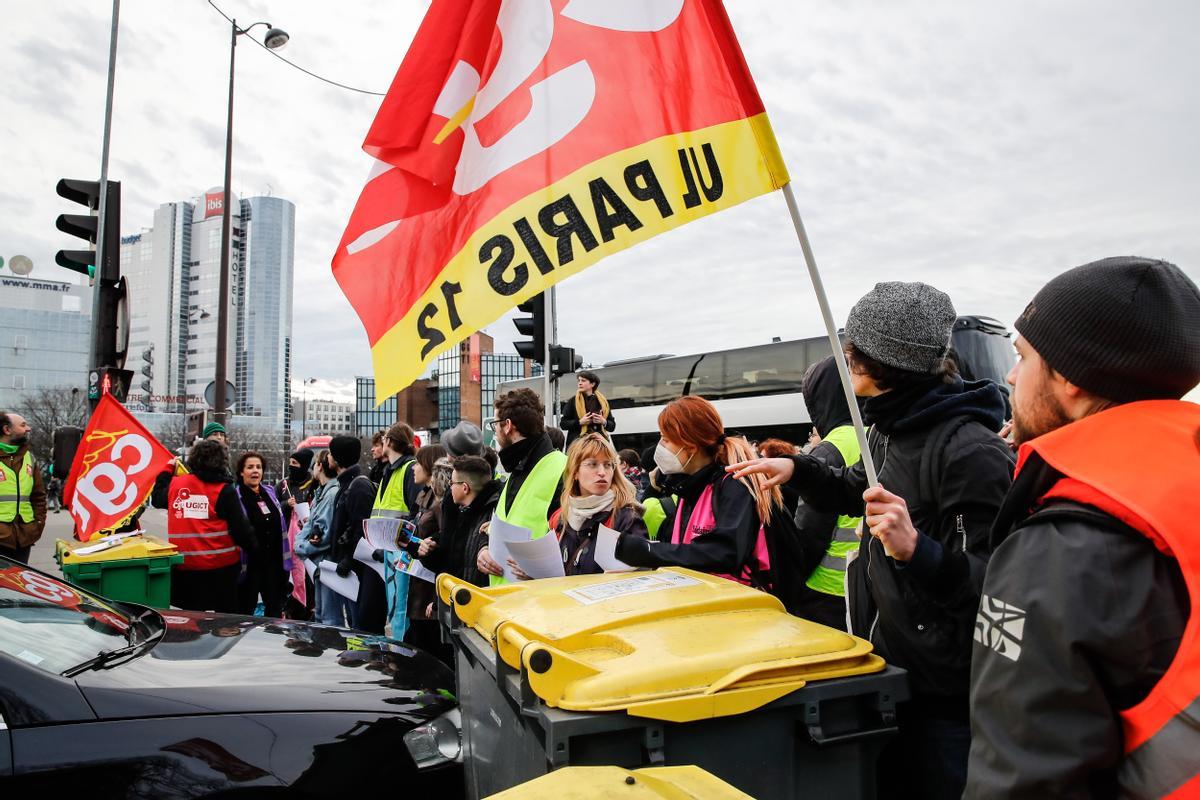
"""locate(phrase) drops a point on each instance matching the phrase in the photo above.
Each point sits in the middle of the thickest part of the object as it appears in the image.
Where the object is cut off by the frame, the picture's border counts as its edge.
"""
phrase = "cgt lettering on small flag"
(522, 141)
(114, 470)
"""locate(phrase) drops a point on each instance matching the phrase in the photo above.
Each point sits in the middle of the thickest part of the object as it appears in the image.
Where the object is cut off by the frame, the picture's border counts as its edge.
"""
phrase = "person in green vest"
(22, 493)
(387, 601)
(534, 467)
(827, 538)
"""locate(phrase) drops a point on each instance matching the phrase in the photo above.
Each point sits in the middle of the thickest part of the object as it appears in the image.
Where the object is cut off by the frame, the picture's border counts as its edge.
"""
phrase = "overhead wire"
(293, 63)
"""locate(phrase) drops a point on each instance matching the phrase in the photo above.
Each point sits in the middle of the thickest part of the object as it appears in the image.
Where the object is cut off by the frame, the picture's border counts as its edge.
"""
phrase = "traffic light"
(533, 326)
(109, 380)
(563, 361)
(86, 226)
(148, 370)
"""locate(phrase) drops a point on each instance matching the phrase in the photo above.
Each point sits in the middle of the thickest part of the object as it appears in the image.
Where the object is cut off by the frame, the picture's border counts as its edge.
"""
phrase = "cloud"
(980, 148)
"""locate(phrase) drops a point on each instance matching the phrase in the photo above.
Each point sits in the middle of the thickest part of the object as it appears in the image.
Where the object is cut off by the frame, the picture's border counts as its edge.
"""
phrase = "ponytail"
(734, 449)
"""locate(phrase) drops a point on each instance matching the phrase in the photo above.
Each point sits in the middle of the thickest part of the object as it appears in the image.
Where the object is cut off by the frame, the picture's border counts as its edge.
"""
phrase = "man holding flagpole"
(914, 587)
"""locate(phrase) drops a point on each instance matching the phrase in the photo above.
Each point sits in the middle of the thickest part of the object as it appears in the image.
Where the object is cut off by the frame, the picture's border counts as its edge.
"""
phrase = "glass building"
(368, 418)
(44, 337)
(173, 270)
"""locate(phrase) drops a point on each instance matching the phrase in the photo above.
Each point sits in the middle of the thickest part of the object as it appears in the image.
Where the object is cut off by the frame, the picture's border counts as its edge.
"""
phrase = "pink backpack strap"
(702, 518)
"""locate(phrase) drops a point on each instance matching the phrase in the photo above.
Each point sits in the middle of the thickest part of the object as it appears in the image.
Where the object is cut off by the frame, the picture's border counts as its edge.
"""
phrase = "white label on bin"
(650, 582)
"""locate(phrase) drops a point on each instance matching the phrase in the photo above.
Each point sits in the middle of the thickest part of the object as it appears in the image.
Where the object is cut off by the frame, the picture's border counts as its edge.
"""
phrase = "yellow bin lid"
(113, 549)
(672, 644)
(602, 783)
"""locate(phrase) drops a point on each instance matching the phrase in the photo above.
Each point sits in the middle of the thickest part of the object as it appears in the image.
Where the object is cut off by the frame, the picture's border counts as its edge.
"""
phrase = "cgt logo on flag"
(523, 141)
(114, 470)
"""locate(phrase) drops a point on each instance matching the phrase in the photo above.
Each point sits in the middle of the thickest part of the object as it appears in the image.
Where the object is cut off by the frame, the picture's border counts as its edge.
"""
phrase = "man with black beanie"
(356, 495)
(1086, 669)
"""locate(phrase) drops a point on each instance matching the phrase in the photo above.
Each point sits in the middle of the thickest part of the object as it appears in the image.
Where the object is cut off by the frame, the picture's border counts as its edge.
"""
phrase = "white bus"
(755, 389)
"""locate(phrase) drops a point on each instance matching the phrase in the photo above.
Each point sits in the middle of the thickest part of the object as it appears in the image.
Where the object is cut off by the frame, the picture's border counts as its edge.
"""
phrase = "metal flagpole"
(548, 337)
(839, 356)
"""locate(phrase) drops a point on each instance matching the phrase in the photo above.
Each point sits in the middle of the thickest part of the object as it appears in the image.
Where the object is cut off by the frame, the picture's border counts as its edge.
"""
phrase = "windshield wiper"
(108, 658)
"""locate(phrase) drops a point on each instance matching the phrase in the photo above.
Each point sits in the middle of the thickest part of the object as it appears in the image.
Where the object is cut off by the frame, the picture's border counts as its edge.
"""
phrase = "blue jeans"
(332, 608)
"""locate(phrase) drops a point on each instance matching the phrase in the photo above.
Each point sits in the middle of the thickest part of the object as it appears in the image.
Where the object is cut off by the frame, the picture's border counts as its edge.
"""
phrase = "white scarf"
(581, 509)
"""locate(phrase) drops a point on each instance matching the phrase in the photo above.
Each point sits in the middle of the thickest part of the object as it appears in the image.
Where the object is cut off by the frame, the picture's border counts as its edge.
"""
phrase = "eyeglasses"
(460, 483)
(606, 465)
(492, 424)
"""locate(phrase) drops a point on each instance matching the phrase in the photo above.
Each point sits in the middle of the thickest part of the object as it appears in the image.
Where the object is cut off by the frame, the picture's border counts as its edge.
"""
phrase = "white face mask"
(668, 462)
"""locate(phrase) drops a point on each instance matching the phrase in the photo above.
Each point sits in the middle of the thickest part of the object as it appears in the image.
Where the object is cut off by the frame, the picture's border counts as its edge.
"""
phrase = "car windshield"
(51, 624)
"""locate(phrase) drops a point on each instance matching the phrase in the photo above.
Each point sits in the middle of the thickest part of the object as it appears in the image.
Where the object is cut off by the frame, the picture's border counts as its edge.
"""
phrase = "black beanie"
(304, 456)
(346, 450)
(1124, 328)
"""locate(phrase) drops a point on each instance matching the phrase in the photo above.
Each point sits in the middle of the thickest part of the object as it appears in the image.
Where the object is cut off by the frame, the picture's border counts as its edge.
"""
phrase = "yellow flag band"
(610, 204)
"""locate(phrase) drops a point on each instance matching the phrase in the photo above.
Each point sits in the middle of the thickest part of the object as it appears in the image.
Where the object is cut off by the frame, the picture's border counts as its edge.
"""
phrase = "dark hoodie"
(935, 444)
(459, 540)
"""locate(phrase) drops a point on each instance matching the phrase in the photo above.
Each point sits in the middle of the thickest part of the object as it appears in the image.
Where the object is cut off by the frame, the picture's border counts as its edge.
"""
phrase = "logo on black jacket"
(1000, 626)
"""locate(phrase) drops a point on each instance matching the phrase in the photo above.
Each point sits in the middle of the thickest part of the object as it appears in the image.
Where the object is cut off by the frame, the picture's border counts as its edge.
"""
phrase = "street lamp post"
(275, 38)
(304, 417)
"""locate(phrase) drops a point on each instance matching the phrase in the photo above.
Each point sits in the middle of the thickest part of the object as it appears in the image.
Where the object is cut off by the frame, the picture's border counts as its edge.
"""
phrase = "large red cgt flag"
(524, 140)
(114, 470)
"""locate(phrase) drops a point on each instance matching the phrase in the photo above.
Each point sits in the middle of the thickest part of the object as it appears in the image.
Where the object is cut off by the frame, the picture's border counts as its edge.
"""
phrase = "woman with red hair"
(718, 524)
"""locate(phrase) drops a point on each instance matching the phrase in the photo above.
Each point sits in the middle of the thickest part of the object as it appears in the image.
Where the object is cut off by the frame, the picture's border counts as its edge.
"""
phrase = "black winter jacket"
(569, 418)
(459, 540)
(578, 547)
(353, 504)
(936, 446)
(1080, 617)
(724, 550)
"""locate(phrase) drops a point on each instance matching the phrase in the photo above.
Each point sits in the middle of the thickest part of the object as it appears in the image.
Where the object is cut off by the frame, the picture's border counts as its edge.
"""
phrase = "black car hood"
(210, 663)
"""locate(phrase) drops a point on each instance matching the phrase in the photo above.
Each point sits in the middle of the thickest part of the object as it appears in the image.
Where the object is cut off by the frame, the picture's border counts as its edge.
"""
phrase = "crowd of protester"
(1034, 576)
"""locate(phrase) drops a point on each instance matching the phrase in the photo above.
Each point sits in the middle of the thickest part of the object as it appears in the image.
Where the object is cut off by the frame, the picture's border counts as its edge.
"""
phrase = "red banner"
(522, 141)
(114, 470)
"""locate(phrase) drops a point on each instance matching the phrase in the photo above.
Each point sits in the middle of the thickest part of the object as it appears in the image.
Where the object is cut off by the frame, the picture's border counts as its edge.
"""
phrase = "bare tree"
(171, 432)
(273, 445)
(46, 409)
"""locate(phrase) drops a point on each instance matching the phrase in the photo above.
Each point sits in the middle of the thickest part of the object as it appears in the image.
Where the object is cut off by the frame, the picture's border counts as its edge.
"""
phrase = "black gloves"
(377, 555)
(343, 567)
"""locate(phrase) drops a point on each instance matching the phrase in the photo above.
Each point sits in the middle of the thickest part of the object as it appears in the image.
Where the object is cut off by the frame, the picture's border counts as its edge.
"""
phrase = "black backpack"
(789, 565)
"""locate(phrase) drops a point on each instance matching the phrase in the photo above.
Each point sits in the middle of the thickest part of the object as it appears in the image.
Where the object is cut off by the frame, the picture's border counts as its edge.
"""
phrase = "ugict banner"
(114, 470)
(522, 141)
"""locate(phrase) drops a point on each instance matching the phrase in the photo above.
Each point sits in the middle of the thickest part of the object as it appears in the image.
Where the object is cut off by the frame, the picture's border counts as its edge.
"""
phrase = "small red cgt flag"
(114, 470)
(522, 141)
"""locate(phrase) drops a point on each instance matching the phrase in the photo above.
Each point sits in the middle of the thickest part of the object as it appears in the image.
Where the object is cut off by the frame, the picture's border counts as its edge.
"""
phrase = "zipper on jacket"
(962, 531)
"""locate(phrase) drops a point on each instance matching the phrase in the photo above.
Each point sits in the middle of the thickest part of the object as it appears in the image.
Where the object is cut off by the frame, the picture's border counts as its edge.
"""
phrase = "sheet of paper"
(310, 566)
(606, 551)
(363, 552)
(302, 512)
(500, 533)
(382, 532)
(347, 587)
(418, 570)
(539, 558)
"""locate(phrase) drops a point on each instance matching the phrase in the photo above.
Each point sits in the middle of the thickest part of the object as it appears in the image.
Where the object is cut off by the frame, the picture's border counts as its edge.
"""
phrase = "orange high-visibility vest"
(1159, 486)
(193, 525)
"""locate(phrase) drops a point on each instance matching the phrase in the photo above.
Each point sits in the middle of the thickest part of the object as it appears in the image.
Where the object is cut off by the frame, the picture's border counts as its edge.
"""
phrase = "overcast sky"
(979, 147)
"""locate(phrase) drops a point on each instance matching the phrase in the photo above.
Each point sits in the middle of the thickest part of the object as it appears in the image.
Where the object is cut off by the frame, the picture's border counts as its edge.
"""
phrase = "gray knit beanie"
(903, 325)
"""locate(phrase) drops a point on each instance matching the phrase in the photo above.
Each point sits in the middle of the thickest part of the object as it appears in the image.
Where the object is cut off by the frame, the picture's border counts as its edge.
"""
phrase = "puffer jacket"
(935, 445)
